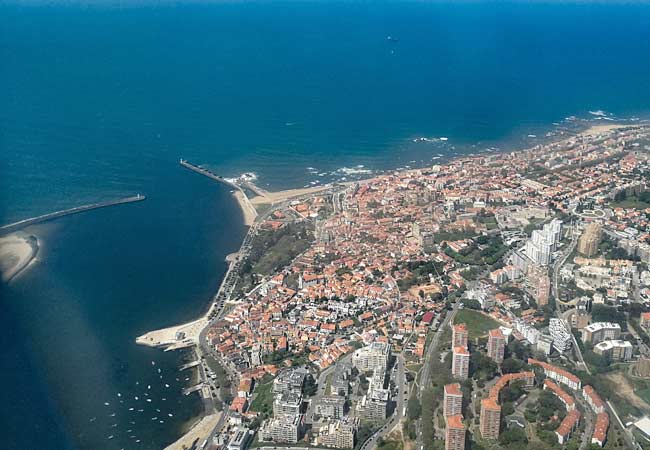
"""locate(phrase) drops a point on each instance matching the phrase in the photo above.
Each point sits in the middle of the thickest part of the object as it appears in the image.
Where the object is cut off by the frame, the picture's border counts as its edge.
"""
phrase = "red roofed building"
(459, 335)
(569, 402)
(490, 421)
(453, 400)
(600, 429)
(558, 374)
(428, 317)
(645, 320)
(593, 399)
(496, 345)
(567, 426)
(455, 433)
(239, 404)
(460, 363)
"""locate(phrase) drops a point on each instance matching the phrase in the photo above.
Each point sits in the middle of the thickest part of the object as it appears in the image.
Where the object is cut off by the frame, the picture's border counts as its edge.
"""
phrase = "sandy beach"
(247, 208)
(197, 434)
(605, 128)
(16, 252)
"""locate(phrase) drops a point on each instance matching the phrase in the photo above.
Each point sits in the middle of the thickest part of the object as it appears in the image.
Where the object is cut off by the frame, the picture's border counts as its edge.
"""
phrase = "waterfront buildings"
(284, 430)
(239, 439)
(460, 363)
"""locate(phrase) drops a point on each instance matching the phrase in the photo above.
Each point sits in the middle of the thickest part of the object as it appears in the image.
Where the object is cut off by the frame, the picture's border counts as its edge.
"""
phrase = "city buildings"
(568, 426)
(600, 331)
(460, 363)
(372, 357)
(453, 400)
(558, 374)
(490, 420)
(589, 240)
(284, 430)
(496, 345)
(459, 335)
(562, 339)
(539, 284)
(454, 433)
(614, 350)
(337, 434)
(373, 406)
(239, 439)
(331, 407)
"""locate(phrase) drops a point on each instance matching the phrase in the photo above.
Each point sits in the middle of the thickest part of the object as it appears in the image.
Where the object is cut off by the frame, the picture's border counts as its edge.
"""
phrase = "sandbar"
(16, 252)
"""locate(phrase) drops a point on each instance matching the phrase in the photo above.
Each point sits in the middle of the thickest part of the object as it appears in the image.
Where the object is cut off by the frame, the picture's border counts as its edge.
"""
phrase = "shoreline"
(206, 420)
(249, 214)
(17, 252)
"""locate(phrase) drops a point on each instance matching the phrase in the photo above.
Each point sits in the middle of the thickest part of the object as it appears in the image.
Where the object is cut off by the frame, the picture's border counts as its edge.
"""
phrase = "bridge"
(66, 212)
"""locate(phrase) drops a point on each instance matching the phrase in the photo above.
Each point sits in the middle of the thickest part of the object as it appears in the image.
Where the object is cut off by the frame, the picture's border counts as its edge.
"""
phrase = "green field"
(478, 324)
(263, 401)
(644, 394)
(630, 203)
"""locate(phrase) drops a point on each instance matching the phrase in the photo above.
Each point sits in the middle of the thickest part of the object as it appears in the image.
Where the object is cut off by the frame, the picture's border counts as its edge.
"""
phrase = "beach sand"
(605, 128)
(247, 208)
(16, 252)
(198, 433)
(167, 336)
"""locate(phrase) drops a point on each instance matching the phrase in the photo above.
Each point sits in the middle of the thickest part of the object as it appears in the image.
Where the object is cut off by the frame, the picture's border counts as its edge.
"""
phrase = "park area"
(478, 324)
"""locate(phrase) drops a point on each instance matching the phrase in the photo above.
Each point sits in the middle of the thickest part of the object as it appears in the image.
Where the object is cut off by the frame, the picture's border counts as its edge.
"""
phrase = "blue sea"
(99, 100)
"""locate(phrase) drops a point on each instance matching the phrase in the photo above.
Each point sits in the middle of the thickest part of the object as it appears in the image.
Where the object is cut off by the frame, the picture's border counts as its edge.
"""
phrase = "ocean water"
(99, 100)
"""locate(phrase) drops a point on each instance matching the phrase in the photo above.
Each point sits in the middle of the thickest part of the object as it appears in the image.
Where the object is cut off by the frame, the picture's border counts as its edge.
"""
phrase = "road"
(426, 368)
(401, 400)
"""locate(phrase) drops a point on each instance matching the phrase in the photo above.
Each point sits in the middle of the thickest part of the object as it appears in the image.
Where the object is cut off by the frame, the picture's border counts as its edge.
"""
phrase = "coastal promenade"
(5, 229)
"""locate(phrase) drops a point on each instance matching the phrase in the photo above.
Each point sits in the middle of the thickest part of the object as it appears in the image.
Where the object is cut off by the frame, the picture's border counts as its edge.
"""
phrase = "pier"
(189, 390)
(5, 229)
(190, 365)
(208, 173)
(248, 210)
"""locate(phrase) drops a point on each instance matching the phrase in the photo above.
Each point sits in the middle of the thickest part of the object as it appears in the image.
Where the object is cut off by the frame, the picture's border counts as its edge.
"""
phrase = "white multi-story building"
(372, 357)
(287, 404)
(239, 439)
(615, 350)
(331, 407)
(283, 430)
(562, 339)
(337, 434)
(542, 243)
(600, 331)
(374, 405)
(530, 333)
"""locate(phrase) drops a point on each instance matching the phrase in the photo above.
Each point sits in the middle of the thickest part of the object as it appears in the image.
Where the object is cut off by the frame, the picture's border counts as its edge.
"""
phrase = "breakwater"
(5, 229)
